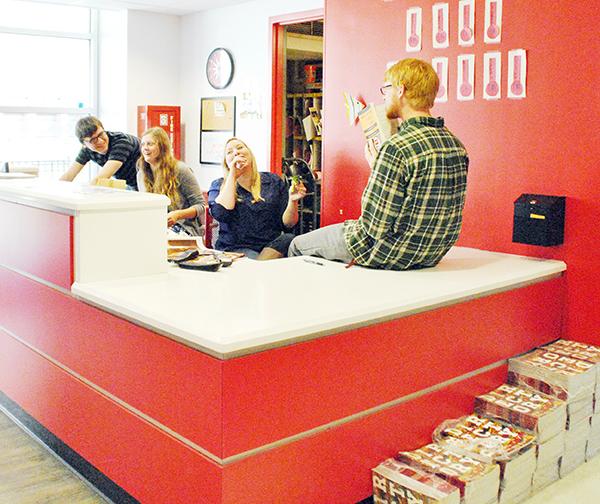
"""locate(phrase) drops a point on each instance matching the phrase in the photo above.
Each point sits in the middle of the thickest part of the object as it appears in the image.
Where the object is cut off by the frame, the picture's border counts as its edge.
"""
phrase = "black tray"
(201, 263)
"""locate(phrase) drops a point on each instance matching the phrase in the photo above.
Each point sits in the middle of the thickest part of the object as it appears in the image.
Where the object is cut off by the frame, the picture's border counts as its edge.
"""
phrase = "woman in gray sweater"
(159, 172)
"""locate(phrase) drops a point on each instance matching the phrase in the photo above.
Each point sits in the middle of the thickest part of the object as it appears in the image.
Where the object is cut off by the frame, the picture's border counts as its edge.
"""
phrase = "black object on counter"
(186, 255)
(202, 263)
(539, 219)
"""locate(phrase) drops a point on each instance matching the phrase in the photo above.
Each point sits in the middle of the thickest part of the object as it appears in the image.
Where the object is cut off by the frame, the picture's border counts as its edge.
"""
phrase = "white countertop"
(70, 197)
(15, 175)
(254, 305)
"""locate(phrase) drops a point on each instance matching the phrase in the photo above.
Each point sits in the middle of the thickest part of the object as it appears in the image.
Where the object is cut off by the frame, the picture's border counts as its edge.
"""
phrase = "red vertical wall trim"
(72, 246)
(546, 143)
(277, 97)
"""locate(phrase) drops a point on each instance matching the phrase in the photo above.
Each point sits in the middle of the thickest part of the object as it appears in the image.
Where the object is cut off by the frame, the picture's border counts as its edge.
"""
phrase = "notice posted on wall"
(466, 23)
(440, 65)
(465, 77)
(439, 32)
(517, 74)
(492, 33)
(414, 27)
(492, 75)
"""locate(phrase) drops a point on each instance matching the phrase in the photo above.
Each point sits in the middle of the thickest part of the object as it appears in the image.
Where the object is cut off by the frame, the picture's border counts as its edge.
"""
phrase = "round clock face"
(219, 68)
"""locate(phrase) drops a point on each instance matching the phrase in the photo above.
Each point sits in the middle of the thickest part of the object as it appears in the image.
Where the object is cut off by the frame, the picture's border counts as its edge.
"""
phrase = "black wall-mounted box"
(539, 219)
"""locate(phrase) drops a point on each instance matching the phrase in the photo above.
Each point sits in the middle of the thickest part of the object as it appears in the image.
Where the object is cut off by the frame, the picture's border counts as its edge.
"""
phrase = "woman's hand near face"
(237, 166)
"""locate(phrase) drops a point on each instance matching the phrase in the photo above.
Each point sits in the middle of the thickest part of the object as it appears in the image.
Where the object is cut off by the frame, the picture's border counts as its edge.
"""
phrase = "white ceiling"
(176, 7)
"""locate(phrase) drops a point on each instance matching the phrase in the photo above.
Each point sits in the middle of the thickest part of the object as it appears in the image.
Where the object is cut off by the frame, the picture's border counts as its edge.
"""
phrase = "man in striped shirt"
(411, 209)
(115, 152)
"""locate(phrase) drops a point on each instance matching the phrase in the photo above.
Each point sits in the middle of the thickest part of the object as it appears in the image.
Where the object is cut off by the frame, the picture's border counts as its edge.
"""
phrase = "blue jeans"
(327, 242)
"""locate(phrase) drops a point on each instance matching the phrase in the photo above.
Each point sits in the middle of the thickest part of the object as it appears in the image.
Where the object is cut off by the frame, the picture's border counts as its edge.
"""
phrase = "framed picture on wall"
(217, 124)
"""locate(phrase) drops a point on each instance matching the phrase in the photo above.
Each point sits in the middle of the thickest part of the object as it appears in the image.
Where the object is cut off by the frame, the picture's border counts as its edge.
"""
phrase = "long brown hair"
(254, 180)
(164, 181)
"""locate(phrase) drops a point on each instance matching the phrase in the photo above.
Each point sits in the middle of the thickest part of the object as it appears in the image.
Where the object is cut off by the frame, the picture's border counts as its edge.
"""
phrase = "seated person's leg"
(251, 254)
(327, 242)
(268, 253)
(277, 248)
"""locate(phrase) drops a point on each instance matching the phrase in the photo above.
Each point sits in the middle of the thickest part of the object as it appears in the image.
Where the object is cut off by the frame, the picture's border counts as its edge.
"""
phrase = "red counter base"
(303, 423)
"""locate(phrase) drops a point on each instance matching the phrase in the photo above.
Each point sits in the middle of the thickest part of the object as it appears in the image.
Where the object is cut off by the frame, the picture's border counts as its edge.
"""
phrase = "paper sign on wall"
(492, 68)
(493, 22)
(414, 17)
(439, 33)
(465, 77)
(517, 73)
(353, 106)
(440, 65)
(466, 23)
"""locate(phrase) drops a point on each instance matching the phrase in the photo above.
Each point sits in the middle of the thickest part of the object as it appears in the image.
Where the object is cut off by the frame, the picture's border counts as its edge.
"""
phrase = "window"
(45, 17)
(48, 56)
(45, 72)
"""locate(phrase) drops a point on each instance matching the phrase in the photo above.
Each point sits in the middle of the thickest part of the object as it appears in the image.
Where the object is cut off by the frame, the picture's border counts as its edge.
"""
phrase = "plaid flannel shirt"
(412, 205)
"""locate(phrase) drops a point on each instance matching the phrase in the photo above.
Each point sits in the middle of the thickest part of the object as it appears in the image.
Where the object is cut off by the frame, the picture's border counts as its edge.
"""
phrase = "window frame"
(92, 37)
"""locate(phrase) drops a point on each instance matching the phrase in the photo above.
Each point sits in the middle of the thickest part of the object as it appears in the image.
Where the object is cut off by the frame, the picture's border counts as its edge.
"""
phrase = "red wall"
(547, 143)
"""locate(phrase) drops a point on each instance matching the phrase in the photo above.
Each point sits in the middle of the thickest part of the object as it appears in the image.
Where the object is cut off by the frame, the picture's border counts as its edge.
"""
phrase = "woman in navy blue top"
(254, 209)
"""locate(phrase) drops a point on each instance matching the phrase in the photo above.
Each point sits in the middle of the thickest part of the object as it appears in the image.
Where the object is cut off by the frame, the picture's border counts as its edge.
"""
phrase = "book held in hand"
(376, 125)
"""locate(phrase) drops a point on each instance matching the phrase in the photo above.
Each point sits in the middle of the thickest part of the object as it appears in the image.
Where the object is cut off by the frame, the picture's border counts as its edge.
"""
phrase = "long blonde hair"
(165, 180)
(254, 179)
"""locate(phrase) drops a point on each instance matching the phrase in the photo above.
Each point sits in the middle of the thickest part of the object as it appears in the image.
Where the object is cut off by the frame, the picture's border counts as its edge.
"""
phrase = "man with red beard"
(411, 208)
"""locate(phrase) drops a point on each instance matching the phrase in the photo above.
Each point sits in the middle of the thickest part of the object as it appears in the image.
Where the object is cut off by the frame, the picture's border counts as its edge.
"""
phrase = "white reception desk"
(281, 381)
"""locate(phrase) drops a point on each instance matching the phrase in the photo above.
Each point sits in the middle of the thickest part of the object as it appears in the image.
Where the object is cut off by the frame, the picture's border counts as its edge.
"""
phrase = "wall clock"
(219, 68)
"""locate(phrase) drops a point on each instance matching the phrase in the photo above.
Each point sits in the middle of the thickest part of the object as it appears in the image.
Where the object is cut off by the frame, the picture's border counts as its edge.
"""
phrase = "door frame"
(278, 24)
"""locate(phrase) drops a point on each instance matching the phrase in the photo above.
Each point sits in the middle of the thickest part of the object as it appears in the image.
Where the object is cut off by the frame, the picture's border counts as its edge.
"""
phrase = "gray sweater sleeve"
(189, 190)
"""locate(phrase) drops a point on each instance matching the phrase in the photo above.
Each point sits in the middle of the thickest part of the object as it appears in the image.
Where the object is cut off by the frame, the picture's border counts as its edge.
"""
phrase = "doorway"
(297, 107)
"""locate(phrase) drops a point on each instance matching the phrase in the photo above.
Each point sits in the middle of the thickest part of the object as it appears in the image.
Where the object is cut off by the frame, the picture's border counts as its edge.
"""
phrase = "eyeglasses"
(93, 140)
(384, 90)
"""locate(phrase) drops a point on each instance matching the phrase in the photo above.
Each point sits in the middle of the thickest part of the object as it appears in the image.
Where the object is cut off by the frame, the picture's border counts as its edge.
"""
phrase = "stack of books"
(584, 352)
(576, 439)
(398, 483)
(549, 458)
(488, 440)
(591, 354)
(478, 482)
(544, 415)
(557, 370)
(593, 444)
(569, 379)
(541, 414)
